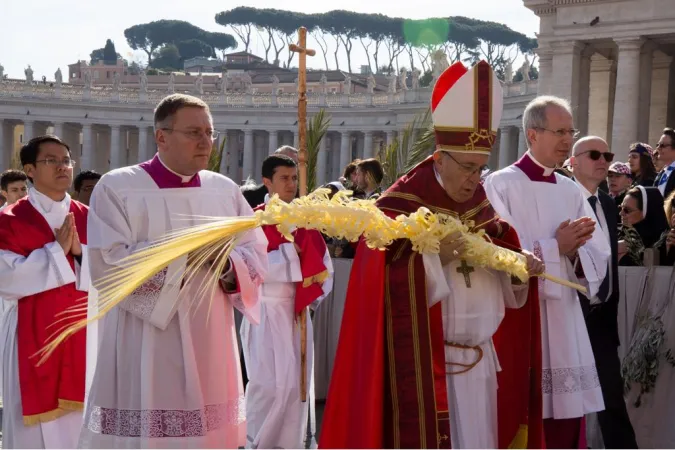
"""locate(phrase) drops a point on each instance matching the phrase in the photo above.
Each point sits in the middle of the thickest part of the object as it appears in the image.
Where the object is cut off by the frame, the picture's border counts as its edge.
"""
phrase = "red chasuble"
(388, 388)
(56, 387)
(312, 250)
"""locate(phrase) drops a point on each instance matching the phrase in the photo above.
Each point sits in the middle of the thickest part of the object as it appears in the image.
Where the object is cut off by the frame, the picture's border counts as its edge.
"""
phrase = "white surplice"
(275, 416)
(44, 269)
(471, 316)
(570, 382)
(167, 373)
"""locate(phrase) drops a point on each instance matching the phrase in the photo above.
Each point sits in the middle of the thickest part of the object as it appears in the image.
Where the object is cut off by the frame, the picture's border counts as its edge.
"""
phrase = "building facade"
(613, 59)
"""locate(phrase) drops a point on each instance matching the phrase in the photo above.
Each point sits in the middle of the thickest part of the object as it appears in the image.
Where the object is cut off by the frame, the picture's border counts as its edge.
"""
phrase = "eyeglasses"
(196, 135)
(597, 154)
(661, 145)
(469, 169)
(53, 162)
(562, 132)
(626, 210)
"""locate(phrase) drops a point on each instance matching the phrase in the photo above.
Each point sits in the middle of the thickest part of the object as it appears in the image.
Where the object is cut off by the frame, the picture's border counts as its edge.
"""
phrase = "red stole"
(388, 388)
(56, 387)
(312, 250)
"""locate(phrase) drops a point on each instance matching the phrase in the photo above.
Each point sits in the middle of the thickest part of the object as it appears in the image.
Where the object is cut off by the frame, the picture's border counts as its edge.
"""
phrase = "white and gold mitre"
(466, 107)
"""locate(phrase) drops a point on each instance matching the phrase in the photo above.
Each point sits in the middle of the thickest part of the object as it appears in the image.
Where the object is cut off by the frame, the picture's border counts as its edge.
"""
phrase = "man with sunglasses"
(665, 180)
(448, 382)
(44, 271)
(555, 222)
(590, 160)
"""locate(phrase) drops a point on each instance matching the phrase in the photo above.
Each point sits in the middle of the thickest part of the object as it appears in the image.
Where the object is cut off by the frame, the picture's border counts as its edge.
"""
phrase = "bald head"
(588, 143)
(590, 161)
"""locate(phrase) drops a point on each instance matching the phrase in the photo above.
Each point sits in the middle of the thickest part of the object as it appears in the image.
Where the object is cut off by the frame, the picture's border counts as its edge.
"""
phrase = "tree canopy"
(106, 54)
(461, 38)
(389, 43)
(173, 41)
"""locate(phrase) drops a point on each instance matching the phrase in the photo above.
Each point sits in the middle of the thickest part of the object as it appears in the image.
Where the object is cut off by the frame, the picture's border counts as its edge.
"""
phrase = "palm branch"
(317, 129)
(409, 149)
(216, 156)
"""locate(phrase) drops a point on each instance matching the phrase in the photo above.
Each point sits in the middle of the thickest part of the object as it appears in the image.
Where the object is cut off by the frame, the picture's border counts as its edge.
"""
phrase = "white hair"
(535, 112)
(583, 140)
(287, 148)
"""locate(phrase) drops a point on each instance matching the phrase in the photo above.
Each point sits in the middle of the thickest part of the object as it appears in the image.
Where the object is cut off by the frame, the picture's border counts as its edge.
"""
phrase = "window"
(333, 90)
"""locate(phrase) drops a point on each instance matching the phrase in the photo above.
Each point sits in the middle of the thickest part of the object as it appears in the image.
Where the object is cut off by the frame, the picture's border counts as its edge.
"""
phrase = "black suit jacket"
(601, 320)
(670, 185)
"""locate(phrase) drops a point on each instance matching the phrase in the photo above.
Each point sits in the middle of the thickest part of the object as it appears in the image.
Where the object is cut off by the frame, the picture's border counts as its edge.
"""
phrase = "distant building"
(101, 73)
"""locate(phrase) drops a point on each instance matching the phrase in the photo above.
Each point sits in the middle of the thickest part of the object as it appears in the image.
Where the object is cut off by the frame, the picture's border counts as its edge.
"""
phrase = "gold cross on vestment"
(466, 270)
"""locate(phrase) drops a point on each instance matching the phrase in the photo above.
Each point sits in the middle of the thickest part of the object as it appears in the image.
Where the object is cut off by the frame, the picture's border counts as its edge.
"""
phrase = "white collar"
(3, 206)
(267, 198)
(184, 178)
(585, 191)
(46, 204)
(54, 212)
(438, 177)
(547, 170)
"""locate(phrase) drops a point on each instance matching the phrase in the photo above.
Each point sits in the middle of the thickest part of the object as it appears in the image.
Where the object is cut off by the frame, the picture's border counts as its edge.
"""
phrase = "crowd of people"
(175, 365)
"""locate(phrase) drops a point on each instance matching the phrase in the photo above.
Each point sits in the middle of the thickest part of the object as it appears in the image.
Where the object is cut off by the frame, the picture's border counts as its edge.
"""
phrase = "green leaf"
(216, 156)
(316, 131)
(412, 147)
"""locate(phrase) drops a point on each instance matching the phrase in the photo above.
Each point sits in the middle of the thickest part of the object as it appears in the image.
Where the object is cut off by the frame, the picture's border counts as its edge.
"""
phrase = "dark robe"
(388, 387)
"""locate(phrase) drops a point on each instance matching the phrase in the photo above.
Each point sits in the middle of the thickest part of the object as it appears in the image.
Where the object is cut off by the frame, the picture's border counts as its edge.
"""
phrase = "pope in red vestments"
(398, 373)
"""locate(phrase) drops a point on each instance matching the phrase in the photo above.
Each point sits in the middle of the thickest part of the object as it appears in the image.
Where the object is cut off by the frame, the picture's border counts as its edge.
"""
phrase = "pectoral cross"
(302, 51)
(466, 270)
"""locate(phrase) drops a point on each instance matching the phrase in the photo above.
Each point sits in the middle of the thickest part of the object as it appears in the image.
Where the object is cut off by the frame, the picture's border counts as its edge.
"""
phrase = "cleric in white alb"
(168, 372)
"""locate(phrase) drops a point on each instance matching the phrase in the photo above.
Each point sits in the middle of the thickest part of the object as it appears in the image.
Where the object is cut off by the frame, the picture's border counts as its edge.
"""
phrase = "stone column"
(143, 144)
(644, 110)
(222, 137)
(545, 70)
(390, 138)
(625, 124)
(28, 131)
(505, 146)
(566, 71)
(658, 111)
(601, 97)
(581, 116)
(58, 130)
(522, 142)
(345, 150)
(321, 159)
(273, 141)
(296, 141)
(367, 144)
(6, 150)
(115, 150)
(86, 162)
(248, 155)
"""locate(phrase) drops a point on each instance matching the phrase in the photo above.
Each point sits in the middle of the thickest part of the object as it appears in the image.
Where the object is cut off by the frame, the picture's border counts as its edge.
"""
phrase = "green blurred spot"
(426, 32)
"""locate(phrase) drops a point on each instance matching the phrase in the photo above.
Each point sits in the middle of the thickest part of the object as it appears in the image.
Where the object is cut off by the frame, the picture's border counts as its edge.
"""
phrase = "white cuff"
(58, 259)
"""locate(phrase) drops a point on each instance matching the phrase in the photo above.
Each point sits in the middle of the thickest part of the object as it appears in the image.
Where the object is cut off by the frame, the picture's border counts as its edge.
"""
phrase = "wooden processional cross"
(302, 51)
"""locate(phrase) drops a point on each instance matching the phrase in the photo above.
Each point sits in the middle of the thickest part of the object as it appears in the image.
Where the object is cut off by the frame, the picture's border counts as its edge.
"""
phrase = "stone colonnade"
(103, 147)
(619, 91)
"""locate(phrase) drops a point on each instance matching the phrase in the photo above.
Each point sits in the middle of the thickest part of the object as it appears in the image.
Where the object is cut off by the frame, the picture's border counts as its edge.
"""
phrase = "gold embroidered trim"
(417, 352)
(318, 278)
(65, 407)
(392, 362)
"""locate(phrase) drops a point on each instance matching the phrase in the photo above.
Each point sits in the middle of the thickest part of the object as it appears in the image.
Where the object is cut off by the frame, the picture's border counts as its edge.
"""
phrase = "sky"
(49, 34)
